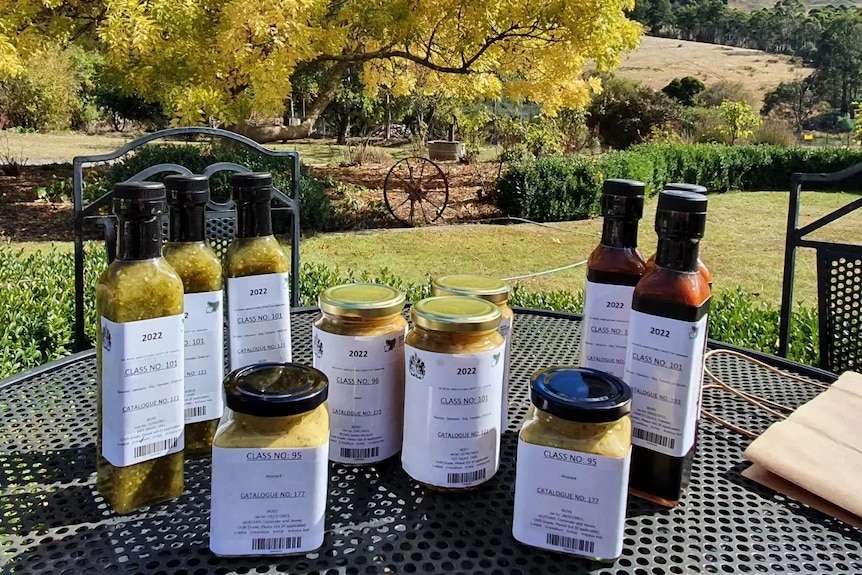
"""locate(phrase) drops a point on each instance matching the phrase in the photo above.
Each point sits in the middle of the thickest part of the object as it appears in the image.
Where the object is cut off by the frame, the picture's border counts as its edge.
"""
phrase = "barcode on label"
(155, 447)
(570, 543)
(468, 477)
(654, 438)
(348, 453)
(275, 543)
(196, 411)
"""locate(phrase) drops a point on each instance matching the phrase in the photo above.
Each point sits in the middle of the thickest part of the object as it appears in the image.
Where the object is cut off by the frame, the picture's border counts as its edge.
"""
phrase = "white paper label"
(452, 416)
(664, 368)
(570, 501)
(366, 394)
(268, 501)
(507, 332)
(204, 355)
(259, 319)
(142, 389)
(605, 327)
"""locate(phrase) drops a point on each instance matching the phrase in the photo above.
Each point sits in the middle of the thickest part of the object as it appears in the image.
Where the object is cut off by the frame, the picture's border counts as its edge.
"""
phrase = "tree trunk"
(387, 133)
(267, 134)
(343, 128)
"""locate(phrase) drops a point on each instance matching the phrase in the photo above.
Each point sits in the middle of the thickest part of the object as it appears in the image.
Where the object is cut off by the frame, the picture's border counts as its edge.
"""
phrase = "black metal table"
(380, 521)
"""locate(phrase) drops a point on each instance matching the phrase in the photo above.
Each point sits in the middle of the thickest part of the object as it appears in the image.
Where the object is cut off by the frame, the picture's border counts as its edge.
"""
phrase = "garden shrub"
(559, 188)
(37, 307)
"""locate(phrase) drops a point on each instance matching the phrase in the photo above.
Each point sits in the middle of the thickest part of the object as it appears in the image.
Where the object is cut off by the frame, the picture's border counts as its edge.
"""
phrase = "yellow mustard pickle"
(258, 285)
(358, 342)
(270, 462)
(574, 452)
(453, 392)
(139, 301)
(497, 292)
(201, 271)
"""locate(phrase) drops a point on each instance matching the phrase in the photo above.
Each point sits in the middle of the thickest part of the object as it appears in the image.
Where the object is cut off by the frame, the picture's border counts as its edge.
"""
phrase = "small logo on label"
(106, 337)
(390, 344)
(213, 306)
(695, 329)
(285, 283)
(417, 366)
(495, 359)
(318, 347)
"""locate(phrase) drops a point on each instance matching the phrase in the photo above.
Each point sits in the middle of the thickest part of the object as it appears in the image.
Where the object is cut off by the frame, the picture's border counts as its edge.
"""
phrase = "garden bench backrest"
(839, 273)
(220, 217)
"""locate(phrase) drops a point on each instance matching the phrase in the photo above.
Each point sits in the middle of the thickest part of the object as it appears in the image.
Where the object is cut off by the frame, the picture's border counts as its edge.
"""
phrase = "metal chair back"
(839, 273)
(220, 216)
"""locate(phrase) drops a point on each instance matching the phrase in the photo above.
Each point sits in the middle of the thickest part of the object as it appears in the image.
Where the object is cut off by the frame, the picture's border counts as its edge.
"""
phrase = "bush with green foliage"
(684, 90)
(625, 113)
(45, 95)
(37, 308)
(568, 188)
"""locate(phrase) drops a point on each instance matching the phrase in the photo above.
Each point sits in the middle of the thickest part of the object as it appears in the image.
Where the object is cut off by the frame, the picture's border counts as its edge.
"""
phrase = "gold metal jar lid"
(460, 314)
(485, 287)
(364, 300)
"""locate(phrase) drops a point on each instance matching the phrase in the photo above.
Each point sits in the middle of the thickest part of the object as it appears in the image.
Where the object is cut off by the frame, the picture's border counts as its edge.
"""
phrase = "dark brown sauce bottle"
(704, 271)
(664, 356)
(614, 267)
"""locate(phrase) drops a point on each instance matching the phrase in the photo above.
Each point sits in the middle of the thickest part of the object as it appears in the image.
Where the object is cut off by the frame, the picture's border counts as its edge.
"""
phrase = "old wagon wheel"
(416, 190)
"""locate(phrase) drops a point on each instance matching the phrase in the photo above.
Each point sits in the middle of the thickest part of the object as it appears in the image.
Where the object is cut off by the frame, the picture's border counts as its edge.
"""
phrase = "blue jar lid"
(580, 394)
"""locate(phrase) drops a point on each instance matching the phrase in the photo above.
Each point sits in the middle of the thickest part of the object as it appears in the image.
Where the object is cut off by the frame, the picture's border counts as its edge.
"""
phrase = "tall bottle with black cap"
(258, 287)
(139, 302)
(683, 187)
(201, 271)
(664, 357)
(613, 270)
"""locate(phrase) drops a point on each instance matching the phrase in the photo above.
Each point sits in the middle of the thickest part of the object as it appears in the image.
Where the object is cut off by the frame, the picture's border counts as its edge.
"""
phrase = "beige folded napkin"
(818, 448)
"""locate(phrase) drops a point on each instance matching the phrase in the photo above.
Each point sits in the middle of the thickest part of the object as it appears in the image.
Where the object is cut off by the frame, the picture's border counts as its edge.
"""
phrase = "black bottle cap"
(580, 394)
(623, 199)
(275, 389)
(186, 191)
(627, 188)
(139, 199)
(251, 187)
(686, 187)
(681, 214)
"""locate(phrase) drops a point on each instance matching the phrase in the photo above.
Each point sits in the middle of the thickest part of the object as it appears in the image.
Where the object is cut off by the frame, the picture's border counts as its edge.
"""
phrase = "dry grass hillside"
(660, 60)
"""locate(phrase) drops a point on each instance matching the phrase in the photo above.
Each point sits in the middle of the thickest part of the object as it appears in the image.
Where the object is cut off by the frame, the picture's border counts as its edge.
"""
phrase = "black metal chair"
(839, 273)
(219, 216)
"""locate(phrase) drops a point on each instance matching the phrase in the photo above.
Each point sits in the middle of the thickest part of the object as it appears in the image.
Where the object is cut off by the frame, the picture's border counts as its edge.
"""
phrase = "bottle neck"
(678, 254)
(139, 238)
(187, 224)
(620, 233)
(253, 220)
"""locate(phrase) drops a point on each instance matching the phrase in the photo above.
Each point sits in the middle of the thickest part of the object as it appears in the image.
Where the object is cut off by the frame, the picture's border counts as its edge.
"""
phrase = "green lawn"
(744, 246)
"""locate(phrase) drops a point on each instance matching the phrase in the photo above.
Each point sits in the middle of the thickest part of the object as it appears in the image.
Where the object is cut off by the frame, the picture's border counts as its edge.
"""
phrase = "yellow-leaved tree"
(231, 61)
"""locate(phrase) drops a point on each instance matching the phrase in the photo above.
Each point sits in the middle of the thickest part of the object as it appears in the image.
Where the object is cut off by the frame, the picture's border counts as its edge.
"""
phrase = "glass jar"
(358, 342)
(258, 284)
(201, 271)
(453, 392)
(497, 292)
(139, 302)
(270, 458)
(574, 452)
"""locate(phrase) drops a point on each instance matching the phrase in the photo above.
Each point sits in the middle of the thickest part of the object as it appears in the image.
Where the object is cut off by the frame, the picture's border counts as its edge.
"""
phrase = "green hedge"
(568, 188)
(37, 307)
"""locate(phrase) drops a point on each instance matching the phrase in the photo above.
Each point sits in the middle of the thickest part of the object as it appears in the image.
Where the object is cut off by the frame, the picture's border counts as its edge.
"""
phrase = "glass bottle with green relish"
(201, 271)
(139, 300)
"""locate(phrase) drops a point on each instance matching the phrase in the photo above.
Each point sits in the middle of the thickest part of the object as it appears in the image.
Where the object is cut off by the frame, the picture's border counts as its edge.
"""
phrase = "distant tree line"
(828, 38)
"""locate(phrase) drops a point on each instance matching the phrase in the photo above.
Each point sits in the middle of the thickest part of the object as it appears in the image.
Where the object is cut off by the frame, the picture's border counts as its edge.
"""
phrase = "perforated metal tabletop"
(380, 521)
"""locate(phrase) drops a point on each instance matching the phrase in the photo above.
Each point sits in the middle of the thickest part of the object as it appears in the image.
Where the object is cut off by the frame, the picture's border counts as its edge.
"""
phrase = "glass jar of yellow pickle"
(270, 462)
(574, 451)
(358, 342)
(497, 292)
(453, 392)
